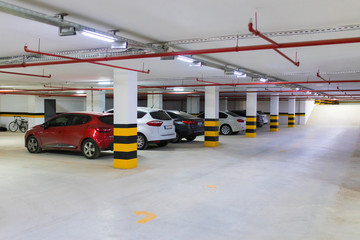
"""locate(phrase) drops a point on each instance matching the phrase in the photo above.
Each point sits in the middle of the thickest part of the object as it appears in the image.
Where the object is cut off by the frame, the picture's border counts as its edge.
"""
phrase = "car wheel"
(142, 142)
(90, 149)
(190, 139)
(32, 145)
(177, 139)
(163, 143)
(225, 129)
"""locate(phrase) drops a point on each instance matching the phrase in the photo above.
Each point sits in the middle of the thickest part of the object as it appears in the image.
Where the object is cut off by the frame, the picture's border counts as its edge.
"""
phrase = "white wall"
(28, 105)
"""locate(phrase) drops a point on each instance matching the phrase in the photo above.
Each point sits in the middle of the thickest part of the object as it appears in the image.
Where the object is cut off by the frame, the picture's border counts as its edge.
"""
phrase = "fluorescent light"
(185, 59)
(98, 36)
(297, 89)
(239, 74)
(195, 64)
(80, 92)
(104, 83)
(263, 80)
(178, 89)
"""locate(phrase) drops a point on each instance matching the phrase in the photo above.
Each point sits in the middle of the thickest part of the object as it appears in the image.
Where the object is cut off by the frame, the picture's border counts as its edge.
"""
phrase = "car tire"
(225, 129)
(178, 138)
(90, 149)
(190, 139)
(162, 143)
(32, 145)
(142, 142)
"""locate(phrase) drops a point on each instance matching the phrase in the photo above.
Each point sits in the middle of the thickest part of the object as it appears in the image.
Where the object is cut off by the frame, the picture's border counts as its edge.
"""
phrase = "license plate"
(168, 127)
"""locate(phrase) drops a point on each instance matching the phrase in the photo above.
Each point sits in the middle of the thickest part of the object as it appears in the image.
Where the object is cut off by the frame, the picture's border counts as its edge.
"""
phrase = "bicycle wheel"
(23, 127)
(13, 126)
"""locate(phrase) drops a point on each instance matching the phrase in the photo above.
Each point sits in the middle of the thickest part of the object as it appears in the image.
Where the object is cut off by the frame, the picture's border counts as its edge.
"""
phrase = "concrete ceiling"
(164, 21)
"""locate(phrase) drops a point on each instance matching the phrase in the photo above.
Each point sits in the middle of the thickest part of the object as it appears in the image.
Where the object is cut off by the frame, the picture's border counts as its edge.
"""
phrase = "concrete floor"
(299, 183)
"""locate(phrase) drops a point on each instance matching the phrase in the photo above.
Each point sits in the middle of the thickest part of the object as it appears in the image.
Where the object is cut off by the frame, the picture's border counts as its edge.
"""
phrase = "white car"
(229, 122)
(264, 117)
(153, 126)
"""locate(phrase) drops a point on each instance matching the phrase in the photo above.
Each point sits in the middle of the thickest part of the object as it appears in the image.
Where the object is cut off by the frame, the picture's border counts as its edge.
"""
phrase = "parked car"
(259, 119)
(153, 126)
(229, 122)
(264, 117)
(186, 125)
(89, 133)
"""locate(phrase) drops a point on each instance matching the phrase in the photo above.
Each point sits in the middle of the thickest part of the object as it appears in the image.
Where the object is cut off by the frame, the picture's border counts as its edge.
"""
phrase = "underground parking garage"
(295, 175)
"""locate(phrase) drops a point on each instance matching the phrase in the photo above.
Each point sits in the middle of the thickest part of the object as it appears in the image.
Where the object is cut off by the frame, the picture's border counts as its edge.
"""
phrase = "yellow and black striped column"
(291, 120)
(274, 123)
(317, 102)
(250, 126)
(125, 119)
(125, 146)
(211, 132)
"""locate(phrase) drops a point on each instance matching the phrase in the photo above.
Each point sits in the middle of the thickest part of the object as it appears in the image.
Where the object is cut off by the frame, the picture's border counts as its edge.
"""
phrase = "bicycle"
(18, 123)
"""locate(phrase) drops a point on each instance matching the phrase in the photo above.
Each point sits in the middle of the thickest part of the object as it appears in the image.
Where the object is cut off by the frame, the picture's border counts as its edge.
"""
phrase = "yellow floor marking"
(149, 216)
(282, 151)
(211, 186)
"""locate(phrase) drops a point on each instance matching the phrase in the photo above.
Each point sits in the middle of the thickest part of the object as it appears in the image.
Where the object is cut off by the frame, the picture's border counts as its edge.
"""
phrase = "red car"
(78, 131)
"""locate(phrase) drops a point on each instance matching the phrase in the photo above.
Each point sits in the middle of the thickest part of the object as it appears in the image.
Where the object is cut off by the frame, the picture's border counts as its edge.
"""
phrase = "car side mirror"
(45, 125)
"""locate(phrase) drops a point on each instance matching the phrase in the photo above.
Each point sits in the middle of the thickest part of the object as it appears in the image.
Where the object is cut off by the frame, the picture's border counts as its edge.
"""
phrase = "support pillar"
(274, 113)
(193, 104)
(155, 100)
(291, 112)
(125, 119)
(251, 105)
(211, 116)
(95, 101)
(302, 110)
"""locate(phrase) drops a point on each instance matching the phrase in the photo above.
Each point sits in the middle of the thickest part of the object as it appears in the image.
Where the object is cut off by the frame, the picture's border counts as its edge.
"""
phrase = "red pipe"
(82, 60)
(318, 75)
(26, 74)
(43, 95)
(202, 51)
(257, 33)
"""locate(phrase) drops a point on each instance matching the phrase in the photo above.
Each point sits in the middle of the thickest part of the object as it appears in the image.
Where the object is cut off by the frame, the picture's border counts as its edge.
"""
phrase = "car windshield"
(178, 114)
(232, 114)
(160, 115)
(107, 119)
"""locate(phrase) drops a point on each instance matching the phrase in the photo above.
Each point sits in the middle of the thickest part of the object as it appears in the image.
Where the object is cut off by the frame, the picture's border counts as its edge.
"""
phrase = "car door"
(75, 131)
(52, 136)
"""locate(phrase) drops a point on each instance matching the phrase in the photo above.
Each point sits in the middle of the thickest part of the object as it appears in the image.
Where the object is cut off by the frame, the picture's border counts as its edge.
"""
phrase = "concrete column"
(274, 113)
(291, 112)
(251, 104)
(155, 100)
(223, 105)
(302, 111)
(125, 119)
(31, 101)
(95, 101)
(193, 104)
(211, 116)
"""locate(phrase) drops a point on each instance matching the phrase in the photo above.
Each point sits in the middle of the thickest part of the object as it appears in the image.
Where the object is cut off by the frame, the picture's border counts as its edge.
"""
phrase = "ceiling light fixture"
(178, 89)
(239, 74)
(105, 83)
(98, 36)
(185, 59)
(80, 92)
(263, 79)
(196, 64)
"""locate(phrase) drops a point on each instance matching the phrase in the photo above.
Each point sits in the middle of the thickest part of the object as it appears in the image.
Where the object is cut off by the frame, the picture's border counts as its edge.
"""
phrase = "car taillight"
(189, 121)
(155, 123)
(103, 130)
(240, 120)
